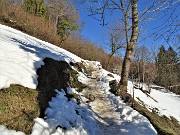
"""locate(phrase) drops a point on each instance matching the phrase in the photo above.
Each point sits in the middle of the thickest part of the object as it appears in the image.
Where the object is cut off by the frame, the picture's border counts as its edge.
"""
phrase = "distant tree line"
(162, 68)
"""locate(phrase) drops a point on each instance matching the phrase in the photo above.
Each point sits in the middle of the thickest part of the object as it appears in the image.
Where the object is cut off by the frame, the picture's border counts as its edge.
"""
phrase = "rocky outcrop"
(114, 87)
(52, 75)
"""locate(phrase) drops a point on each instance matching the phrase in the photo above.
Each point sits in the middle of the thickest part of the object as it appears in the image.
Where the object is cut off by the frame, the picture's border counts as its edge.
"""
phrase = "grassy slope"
(18, 108)
(162, 124)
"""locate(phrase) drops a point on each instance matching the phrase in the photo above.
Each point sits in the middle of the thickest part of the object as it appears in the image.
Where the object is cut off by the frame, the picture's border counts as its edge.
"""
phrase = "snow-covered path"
(109, 120)
(113, 116)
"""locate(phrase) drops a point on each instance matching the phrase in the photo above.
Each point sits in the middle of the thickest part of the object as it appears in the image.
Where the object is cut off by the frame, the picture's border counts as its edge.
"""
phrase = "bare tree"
(129, 15)
(143, 66)
(116, 42)
(127, 11)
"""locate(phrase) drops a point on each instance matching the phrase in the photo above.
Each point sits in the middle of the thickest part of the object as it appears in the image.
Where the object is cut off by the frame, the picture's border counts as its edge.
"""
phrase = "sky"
(96, 33)
(92, 29)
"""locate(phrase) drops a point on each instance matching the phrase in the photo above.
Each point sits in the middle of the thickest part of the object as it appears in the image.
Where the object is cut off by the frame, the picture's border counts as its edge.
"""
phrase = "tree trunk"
(130, 49)
(109, 59)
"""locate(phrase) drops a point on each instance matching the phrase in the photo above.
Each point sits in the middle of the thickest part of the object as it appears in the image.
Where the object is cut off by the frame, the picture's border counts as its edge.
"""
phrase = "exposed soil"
(108, 120)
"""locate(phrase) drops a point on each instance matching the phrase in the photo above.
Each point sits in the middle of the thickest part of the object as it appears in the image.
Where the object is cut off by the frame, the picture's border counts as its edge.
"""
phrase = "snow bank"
(167, 103)
(5, 131)
(65, 118)
(21, 55)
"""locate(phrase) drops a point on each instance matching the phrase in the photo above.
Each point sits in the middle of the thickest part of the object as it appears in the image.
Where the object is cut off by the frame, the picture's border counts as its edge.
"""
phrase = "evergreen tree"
(64, 27)
(162, 56)
(161, 60)
(167, 64)
(172, 66)
(36, 7)
(64, 16)
(172, 56)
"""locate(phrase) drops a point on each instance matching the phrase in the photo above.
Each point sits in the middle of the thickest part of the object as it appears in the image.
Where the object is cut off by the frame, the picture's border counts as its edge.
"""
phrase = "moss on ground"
(163, 124)
(74, 83)
(79, 66)
(18, 108)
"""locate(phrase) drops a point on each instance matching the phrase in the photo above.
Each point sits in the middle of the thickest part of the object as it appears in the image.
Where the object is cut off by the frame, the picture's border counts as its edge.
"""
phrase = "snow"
(21, 55)
(126, 121)
(77, 120)
(5, 131)
(167, 103)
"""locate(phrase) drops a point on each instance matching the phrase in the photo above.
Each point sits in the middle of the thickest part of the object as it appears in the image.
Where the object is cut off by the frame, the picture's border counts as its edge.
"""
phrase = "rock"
(114, 87)
(52, 75)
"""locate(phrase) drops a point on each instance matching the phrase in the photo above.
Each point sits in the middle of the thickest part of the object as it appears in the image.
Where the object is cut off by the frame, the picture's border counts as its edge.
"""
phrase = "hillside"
(159, 99)
(72, 94)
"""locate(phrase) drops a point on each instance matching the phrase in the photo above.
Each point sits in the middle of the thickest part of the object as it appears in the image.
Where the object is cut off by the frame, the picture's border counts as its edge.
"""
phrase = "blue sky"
(93, 31)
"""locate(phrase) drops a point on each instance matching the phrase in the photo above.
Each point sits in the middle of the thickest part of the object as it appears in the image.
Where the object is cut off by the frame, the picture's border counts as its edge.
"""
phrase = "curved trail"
(108, 120)
(112, 115)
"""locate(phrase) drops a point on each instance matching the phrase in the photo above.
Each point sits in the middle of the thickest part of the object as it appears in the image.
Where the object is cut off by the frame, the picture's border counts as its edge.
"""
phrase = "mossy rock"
(52, 75)
(55, 75)
(18, 108)
(79, 66)
(74, 83)
(114, 87)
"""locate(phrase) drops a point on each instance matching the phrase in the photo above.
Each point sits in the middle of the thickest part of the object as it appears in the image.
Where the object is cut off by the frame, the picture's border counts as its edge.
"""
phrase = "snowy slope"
(21, 55)
(167, 103)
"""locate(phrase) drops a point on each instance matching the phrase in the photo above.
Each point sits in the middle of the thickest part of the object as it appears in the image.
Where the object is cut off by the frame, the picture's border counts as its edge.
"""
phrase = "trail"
(106, 115)
(103, 107)
(112, 115)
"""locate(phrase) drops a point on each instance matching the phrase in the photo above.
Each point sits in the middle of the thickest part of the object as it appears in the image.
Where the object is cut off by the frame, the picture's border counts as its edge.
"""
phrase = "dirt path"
(112, 115)
(108, 119)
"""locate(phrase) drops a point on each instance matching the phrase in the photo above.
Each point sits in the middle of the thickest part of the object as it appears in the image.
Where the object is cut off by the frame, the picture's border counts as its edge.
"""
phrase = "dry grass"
(18, 108)
(34, 25)
(44, 29)
(90, 51)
